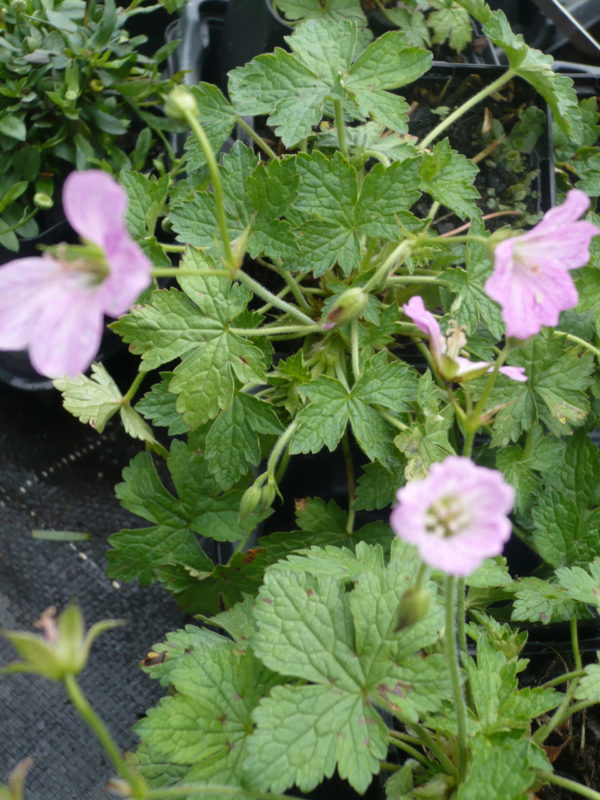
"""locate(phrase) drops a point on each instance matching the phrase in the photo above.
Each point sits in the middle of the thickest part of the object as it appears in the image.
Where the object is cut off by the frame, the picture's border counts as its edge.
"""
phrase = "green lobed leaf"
(581, 584)
(198, 508)
(159, 406)
(337, 9)
(209, 719)
(554, 392)
(588, 687)
(502, 767)
(332, 406)
(536, 68)
(538, 601)
(311, 627)
(451, 25)
(92, 400)
(233, 444)
(449, 178)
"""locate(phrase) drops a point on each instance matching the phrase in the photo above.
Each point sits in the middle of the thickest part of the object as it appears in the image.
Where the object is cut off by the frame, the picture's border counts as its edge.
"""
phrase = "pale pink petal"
(415, 309)
(530, 280)
(514, 373)
(129, 276)
(465, 366)
(567, 247)
(67, 334)
(474, 503)
(531, 301)
(95, 206)
(575, 205)
(25, 286)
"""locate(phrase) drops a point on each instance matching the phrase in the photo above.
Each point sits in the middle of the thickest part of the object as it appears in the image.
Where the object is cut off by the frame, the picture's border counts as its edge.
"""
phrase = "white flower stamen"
(447, 517)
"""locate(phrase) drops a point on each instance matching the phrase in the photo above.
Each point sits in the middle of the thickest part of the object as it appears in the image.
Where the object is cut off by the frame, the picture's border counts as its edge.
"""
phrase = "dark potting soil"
(497, 174)
(573, 748)
(55, 473)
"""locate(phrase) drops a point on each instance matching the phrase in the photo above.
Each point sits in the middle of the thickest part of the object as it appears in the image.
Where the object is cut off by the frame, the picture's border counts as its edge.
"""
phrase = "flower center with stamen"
(447, 517)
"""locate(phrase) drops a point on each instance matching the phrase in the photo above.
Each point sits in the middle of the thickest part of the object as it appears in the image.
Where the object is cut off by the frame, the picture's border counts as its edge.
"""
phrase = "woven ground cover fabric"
(57, 474)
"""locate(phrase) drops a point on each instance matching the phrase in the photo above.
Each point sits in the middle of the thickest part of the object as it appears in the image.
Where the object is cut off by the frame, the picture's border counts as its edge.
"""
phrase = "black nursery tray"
(459, 81)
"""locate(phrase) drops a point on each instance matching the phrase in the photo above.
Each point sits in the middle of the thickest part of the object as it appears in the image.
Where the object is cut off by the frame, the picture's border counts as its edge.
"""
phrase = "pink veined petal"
(67, 334)
(575, 205)
(477, 501)
(95, 205)
(129, 276)
(25, 287)
(567, 247)
(531, 301)
(423, 319)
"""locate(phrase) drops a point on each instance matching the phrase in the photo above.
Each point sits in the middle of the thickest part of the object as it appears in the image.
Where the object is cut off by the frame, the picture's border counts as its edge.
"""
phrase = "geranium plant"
(340, 291)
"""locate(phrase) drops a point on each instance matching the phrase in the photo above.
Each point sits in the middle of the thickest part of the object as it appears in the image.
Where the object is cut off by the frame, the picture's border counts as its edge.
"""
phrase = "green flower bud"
(413, 607)
(348, 306)
(267, 495)
(96, 85)
(250, 502)
(62, 650)
(42, 200)
(180, 104)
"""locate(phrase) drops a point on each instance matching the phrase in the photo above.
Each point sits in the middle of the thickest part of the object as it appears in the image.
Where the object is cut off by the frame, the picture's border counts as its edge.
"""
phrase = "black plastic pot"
(541, 158)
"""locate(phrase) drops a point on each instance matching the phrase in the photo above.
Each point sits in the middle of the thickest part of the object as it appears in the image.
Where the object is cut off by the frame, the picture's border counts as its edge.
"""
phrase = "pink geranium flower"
(531, 278)
(444, 351)
(55, 306)
(457, 516)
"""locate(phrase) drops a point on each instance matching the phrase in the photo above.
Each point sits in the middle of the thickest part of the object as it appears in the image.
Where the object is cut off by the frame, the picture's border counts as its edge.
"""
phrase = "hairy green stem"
(95, 723)
(420, 279)
(271, 298)
(275, 330)
(565, 710)
(350, 480)
(581, 342)
(213, 168)
(176, 272)
(566, 783)
(279, 447)
(173, 248)
(408, 749)
(354, 344)
(431, 744)
(267, 306)
(340, 127)
(258, 140)
(291, 282)
(568, 676)
(453, 667)
(392, 420)
(393, 261)
(130, 393)
(473, 419)
(494, 86)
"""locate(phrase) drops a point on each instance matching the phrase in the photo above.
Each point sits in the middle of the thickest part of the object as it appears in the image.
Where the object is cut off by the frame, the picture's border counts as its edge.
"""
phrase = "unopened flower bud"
(267, 495)
(413, 607)
(62, 650)
(250, 502)
(180, 104)
(348, 306)
(42, 200)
